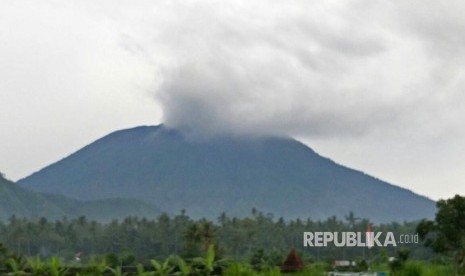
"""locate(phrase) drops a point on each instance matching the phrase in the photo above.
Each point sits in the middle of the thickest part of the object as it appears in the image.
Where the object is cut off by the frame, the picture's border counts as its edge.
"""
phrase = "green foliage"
(319, 269)
(113, 260)
(10, 262)
(95, 267)
(437, 269)
(446, 234)
(117, 271)
(56, 268)
(261, 261)
(52, 267)
(140, 271)
(241, 269)
(199, 236)
(162, 269)
(124, 258)
(183, 268)
(416, 268)
(207, 264)
(16, 266)
(413, 269)
(397, 265)
(361, 265)
(37, 266)
(124, 242)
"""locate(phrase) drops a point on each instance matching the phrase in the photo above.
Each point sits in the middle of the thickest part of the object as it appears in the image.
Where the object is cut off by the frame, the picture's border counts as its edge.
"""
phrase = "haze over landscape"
(373, 85)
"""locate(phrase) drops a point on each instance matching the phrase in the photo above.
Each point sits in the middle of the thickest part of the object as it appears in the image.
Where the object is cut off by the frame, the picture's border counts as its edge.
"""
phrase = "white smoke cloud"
(376, 85)
(300, 67)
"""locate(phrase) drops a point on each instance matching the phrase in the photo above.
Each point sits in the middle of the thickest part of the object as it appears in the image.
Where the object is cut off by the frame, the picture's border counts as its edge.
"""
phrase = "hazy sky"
(375, 85)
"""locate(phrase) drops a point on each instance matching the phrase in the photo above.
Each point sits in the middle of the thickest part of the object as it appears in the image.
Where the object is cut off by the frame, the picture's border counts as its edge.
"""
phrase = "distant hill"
(233, 174)
(17, 201)
(14, 200)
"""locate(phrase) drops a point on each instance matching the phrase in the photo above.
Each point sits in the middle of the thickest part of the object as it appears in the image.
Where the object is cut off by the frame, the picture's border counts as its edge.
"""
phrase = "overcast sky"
(374, 85)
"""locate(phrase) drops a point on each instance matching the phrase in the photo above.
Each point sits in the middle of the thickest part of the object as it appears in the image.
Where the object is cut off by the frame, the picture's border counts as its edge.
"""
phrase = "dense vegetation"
(446, 234)
(256, 245)
(235, 238)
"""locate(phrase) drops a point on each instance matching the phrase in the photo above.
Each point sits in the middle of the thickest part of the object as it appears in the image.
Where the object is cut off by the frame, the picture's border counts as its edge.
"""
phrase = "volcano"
(233, 174)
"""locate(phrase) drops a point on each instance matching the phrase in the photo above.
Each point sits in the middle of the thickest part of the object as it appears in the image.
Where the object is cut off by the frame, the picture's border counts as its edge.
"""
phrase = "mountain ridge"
(16, 201)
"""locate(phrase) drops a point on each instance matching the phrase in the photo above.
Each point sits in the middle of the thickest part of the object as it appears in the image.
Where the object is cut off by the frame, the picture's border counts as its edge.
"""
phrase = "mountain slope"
(233, 174)
(14, 200)
(104, 210)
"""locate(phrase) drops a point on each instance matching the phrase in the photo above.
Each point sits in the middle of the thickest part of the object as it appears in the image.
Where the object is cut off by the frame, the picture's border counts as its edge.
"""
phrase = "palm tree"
(351, 219)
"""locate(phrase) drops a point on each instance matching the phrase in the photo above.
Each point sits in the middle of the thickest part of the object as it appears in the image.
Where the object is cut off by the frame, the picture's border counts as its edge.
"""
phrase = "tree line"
(171, 245)
(233, 237)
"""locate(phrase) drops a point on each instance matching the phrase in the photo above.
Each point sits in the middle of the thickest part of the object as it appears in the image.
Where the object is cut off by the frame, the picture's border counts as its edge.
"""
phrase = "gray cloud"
(374, 84)
(251, 70)
(316, 69)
